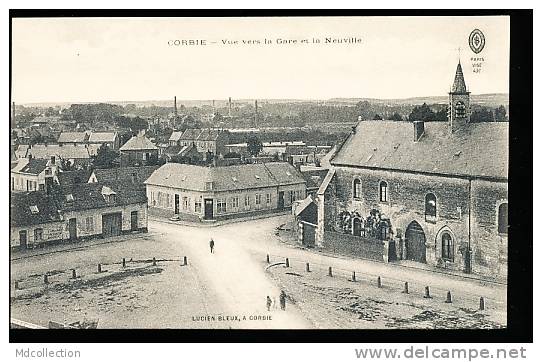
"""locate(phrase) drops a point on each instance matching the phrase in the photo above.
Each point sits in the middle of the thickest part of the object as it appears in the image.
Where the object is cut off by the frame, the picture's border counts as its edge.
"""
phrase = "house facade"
(426, 192)
(74, 212)
(138, 151)
(28, 174)
(209, 193)
(205, 140)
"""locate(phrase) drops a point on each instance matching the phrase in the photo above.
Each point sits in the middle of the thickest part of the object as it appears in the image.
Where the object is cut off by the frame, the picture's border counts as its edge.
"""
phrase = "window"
(89, 223)
(186, 203)
(235, 202)
(208, 186)
(447, 246)
(34, 209)
(430, 208)
(220, 205)
(383, 191)
(38, 234)
(268, 199)
(357, 188)
(247, 202)
(503, 218)
(258, 199)
(197, 205)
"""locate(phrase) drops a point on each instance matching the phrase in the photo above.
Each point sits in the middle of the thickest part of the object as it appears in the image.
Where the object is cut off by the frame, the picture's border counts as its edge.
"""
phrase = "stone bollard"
(124, 262)
(287, 263)
(379, 282)
(406, 288)
(448, 297)
(185, 260)
(267, 259)
(330, 272)
(99, 268)
(153, 261)
(353, 276)
(427, 294)
(45, 279)
(482, 303)
(74, 274)
(307, 268)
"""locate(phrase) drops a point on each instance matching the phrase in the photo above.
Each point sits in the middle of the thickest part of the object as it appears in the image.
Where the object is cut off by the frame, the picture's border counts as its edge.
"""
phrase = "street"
(224, 289)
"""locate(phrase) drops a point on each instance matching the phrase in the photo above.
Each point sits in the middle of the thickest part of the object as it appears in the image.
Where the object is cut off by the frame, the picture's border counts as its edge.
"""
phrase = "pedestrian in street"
(212, 245)
(282, 300)
(269, 302)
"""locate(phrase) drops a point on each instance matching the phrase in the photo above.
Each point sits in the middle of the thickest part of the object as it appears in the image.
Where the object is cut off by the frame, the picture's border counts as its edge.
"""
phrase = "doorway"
(111, 224)
(133, 221)
(208, 215)
(280, 202)
(415, 242)
(23, 239)
(176, 204)
(73, 228)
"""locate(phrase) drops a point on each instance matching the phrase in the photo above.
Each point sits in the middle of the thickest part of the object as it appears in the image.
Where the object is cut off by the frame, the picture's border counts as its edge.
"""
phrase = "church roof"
(478, 150)
(459, 81)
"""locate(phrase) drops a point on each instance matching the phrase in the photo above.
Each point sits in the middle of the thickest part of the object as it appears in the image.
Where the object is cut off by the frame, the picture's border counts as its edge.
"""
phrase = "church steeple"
(459, 102)
(459, 81)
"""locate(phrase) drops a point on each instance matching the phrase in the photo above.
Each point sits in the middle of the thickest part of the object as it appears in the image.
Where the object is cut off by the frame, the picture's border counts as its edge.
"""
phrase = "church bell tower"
(458, 102)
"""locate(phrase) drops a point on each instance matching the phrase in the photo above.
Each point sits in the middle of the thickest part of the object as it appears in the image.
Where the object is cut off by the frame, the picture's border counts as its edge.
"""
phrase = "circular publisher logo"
(477, 41)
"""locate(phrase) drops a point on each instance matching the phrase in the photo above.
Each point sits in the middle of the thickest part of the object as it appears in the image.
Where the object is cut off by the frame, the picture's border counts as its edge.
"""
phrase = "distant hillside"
(490, 100)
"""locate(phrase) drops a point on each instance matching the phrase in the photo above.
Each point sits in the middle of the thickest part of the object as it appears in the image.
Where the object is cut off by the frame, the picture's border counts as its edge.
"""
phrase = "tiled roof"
(21, 151)
(224, 178)
(66, 152)
(21, 214)
(73, 177)
(138, 143)
(31, 166)
(101, 137)
(191, 134)
(476, 150)
(175, 136)
(72, 137)
(89, 196)
(136, 175)
(314, 177)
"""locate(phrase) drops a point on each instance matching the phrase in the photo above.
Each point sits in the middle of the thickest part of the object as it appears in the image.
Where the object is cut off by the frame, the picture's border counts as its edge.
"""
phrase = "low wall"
(356, 246)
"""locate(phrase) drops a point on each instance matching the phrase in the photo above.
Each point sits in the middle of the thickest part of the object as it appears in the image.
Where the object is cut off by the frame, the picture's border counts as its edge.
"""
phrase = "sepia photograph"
(260, 172)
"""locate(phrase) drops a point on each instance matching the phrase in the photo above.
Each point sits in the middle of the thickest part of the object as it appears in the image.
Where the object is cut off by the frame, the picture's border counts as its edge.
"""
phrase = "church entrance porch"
(415, 243)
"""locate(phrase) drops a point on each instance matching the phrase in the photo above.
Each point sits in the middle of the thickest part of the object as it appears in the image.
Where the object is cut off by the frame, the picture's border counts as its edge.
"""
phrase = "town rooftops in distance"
(30, 166)
(73, 137)
(67, 151)
(224, 178)
(479, 150)
(139, 142)
(101, 137)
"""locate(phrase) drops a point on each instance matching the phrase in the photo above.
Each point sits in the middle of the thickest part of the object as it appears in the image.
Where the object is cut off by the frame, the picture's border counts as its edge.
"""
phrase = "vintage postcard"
(338, 172)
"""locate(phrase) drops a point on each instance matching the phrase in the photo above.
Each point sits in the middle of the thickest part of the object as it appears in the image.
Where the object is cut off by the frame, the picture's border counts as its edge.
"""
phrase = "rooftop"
(476, 150)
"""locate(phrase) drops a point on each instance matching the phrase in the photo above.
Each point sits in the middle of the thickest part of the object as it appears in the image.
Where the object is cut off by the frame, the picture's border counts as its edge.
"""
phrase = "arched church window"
(430, 207)
(383, 191)
(447, 246)
(357, 188)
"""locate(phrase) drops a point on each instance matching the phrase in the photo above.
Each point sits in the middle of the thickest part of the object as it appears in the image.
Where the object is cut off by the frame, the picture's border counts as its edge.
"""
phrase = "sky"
(136, 59)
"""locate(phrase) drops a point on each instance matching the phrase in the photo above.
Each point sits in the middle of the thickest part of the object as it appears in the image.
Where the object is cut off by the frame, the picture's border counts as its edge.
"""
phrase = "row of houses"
(72, 212)
(109, 138)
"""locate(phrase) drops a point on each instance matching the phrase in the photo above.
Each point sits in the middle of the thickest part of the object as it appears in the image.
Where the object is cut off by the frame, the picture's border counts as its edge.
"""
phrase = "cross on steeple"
(459, 54)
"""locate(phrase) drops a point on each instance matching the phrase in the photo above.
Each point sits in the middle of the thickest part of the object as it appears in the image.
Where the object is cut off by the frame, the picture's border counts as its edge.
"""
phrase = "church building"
(433, 193)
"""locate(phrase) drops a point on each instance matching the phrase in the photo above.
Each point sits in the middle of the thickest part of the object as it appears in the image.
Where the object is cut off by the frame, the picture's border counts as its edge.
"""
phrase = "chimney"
(229, 107)
(175, 104)
(255, 113)
(48, 184)
(419, 129)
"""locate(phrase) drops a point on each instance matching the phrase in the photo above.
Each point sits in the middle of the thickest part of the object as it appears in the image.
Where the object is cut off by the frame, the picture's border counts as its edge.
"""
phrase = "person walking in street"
(269, 302)
(282, 300)
(212, 246)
